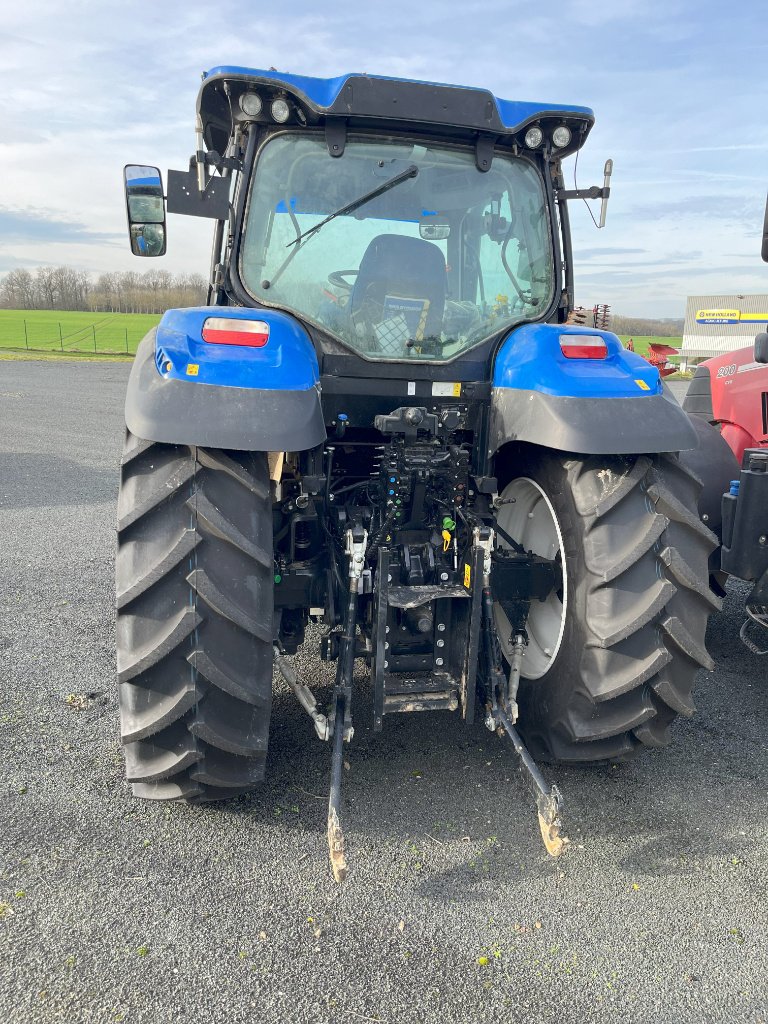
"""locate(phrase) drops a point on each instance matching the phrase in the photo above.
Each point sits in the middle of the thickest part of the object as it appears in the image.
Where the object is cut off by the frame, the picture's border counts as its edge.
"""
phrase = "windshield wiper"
(409, 172)
(300, 240)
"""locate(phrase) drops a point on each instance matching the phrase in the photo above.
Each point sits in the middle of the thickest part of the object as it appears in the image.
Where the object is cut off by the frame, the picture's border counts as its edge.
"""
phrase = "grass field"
(642, 343)
(42, 330)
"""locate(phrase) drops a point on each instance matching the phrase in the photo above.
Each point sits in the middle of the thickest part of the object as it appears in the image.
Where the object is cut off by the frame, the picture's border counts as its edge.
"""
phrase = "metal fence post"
(93, 328)
(126, 340)
(26, 336)
(61, 337)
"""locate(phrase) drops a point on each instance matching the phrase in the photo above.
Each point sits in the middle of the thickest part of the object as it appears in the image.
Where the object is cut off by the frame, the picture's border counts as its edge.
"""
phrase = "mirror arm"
(214, 159)
(595, 192)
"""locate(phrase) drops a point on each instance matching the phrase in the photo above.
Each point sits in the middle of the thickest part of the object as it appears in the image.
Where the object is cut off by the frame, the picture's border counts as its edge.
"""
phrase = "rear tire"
(194, 621)
(638, 599)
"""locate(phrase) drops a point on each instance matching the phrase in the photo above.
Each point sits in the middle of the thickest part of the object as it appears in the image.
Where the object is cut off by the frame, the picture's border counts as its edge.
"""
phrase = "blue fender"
(610, 406)
(184, 390)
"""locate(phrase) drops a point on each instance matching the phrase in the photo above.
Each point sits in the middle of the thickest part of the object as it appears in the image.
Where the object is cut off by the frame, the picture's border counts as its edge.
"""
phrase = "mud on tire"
(194, 621)
(636, 555)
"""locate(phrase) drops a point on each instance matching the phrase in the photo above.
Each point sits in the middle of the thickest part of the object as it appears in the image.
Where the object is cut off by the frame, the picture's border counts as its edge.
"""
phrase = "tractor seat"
(398, 297)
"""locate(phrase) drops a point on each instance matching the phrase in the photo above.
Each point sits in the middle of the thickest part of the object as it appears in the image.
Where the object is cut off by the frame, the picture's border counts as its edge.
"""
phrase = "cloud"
(13, 262)
(587, 254)
(714, 206)
(30, 226)
(675, 104)
(738, 147)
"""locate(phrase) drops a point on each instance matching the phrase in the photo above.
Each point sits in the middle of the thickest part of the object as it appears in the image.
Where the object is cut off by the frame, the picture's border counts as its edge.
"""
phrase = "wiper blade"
(409, 172)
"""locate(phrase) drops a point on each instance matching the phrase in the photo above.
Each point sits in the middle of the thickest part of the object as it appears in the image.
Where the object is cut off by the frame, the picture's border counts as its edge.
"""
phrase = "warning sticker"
(467, 576)
(192, 369)
(446, 390)
(643, 385)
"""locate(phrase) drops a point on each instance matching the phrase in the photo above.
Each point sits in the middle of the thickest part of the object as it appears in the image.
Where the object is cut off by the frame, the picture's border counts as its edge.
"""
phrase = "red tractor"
(730, 392)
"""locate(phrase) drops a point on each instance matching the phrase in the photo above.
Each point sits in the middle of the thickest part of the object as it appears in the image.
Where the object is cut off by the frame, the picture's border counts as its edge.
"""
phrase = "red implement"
(658, 356)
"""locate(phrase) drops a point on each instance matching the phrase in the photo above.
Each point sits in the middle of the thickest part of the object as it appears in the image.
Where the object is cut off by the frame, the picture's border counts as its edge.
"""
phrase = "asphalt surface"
(116, 910)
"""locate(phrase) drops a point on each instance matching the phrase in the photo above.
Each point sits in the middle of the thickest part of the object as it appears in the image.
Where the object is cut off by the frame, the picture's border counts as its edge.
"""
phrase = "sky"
(679, 89)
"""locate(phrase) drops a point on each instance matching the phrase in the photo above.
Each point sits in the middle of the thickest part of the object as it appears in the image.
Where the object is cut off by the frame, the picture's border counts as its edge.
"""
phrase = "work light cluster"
(252, 105)
(561, 136)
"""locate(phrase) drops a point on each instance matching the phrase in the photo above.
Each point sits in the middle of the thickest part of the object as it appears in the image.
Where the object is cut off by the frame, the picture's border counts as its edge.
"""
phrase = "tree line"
(154, 291)
(638, 327)
(126, 291)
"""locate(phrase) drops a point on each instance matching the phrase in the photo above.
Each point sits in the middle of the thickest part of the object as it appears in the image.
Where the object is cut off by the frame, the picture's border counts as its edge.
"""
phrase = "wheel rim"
(530, 519)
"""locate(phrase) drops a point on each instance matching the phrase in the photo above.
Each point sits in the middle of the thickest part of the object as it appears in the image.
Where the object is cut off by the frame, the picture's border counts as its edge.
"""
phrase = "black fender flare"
(590, 426)
(245, 419)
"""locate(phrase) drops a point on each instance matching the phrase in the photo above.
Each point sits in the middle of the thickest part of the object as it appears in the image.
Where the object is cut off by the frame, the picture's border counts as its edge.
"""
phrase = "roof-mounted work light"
(280, 110)
(251, 104)
(561, 136)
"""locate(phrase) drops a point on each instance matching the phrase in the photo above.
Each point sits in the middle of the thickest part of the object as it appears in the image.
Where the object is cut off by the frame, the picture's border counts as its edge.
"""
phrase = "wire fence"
(78, 341)
(117, 334)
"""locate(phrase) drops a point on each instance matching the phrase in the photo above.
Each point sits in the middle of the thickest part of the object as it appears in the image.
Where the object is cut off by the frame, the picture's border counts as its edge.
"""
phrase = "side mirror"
(761, 348)
(764, 250)
(145, 206)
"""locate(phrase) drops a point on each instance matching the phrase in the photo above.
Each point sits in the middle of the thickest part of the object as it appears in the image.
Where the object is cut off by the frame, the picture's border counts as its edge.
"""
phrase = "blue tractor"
(383, 421)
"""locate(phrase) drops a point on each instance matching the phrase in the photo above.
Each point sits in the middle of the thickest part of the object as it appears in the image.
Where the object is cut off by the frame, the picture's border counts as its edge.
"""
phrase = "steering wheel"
(336, 278)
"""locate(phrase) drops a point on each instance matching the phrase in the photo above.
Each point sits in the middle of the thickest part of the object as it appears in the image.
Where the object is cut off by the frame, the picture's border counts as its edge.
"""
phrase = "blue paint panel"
(515, 112)
(531, 359)
(286, 363)
(323, 92)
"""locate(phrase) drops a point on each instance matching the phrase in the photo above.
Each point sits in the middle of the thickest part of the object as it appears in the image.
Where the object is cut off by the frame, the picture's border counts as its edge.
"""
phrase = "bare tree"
(45, 287)
(17, 290)
(119, 292)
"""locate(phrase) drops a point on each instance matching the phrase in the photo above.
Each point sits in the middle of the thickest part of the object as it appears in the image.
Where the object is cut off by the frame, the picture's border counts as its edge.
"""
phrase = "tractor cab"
(398, 221)
(441, 256)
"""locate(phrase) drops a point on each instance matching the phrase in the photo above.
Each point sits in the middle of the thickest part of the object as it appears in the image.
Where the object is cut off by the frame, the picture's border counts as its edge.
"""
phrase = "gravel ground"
(117, 910)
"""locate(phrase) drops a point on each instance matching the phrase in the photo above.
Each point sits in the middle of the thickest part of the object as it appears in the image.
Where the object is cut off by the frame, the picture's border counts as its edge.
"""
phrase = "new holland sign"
(729, 316)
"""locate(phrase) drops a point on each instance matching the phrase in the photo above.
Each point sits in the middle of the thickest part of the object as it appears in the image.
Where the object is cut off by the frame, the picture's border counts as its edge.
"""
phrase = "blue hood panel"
(286, 363)
(530, 359)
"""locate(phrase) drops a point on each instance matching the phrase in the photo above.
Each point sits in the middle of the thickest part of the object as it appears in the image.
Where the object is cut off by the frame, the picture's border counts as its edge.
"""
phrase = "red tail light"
(583, 346)
(221, 330)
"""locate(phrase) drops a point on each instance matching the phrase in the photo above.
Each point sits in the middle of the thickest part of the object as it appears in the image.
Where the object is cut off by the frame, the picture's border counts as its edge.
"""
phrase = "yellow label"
(456, 390)
(643, 385)
(467, 576)
(192, 369)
